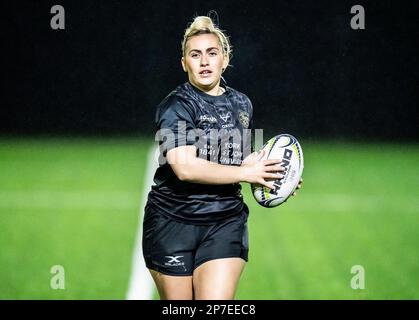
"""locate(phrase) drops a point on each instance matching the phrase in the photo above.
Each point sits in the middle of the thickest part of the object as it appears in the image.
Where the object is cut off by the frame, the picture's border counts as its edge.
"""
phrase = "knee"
(173, 287)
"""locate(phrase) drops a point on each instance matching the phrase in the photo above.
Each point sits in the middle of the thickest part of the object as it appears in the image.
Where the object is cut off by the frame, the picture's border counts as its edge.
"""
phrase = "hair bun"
(202, 23)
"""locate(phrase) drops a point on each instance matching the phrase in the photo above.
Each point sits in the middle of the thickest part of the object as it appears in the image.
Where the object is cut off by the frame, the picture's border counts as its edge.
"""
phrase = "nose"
(204, 61)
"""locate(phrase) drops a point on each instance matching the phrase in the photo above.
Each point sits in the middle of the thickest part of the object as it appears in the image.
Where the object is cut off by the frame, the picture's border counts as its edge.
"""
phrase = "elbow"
(184, 175)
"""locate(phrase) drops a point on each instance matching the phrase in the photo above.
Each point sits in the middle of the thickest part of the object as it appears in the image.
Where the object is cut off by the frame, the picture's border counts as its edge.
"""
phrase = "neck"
(215, 91)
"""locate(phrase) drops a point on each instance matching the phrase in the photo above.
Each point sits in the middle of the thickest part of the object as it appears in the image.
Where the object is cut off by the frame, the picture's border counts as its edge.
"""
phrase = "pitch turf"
(75, 203)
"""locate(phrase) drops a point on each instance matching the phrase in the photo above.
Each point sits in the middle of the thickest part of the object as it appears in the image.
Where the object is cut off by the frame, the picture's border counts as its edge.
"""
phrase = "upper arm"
(250, 112)
(181, 159)
(174, 121)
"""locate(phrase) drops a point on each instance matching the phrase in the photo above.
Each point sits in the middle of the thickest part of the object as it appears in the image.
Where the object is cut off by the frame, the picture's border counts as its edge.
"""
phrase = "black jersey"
(219, 126)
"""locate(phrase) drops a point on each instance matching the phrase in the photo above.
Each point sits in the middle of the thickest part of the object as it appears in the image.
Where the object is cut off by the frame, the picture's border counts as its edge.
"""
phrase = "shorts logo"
(174, 261)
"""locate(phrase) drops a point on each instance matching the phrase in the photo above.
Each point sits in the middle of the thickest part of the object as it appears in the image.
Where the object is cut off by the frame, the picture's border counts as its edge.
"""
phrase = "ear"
(183, 64)
(226, 60)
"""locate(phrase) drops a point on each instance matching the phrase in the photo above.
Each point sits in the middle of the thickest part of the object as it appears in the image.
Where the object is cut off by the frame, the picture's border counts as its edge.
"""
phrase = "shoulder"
(175, 105)
(241, 99)
(175, 101)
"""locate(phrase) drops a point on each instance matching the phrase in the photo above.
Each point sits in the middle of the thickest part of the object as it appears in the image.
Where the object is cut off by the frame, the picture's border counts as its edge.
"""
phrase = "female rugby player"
(195, 225)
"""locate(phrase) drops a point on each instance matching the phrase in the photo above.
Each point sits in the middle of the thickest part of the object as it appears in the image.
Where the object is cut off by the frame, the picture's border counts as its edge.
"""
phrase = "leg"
(217, 279)
(173, 287)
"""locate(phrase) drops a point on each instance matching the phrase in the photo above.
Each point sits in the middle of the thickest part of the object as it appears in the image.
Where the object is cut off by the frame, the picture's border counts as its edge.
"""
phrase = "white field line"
(141, 285)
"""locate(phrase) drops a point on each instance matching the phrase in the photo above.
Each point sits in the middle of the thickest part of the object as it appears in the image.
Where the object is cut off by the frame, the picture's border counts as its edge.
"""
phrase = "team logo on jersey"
(244, 119)
(226, 116)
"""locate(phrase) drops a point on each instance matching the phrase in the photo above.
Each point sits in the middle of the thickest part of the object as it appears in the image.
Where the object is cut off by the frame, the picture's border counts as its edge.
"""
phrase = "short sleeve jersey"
(219, 127)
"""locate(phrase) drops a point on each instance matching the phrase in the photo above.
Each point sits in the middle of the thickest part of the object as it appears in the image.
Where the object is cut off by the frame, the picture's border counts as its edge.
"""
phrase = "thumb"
(260, 155)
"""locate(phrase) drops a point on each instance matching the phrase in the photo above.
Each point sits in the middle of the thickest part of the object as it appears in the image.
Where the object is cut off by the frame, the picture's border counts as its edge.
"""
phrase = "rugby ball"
(286, 148)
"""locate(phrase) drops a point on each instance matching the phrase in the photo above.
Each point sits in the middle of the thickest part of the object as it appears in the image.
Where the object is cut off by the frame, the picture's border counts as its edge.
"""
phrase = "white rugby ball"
(286, 148)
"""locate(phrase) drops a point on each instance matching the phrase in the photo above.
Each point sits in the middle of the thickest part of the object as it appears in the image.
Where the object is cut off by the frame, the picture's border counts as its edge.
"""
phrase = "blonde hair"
(205, 25)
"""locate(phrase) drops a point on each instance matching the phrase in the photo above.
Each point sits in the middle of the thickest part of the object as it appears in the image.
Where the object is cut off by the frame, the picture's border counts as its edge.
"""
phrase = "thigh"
(168, 246)
(173, 287)
(217, 279)
(225, 239)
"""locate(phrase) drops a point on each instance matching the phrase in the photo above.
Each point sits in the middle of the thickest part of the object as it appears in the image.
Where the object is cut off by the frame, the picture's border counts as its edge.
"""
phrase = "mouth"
(205, 73)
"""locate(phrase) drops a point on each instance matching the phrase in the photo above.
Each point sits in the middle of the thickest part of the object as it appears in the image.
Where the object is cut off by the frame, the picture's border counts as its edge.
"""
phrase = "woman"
(195, 231)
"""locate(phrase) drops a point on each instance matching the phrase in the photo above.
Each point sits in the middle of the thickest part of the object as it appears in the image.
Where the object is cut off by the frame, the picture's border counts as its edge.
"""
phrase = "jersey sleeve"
(174, 120)
(250, 112)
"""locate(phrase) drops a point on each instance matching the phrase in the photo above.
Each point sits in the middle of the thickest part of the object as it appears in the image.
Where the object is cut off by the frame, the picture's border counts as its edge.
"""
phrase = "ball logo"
(284, 163)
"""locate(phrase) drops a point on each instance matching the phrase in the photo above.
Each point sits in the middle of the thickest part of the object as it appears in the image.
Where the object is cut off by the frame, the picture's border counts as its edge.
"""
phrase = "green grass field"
(75, 203)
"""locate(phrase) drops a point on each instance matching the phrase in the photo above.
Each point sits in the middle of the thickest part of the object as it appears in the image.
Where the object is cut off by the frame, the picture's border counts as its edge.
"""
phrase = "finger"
(250, 157)
(275, 176)
(301, 180)
(271, 162)
(274, 168)
(261, 155)
(294, 193)
(267, 184)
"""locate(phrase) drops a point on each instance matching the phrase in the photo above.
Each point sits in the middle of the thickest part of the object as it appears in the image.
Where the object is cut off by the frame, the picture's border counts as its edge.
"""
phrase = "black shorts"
(177, 248)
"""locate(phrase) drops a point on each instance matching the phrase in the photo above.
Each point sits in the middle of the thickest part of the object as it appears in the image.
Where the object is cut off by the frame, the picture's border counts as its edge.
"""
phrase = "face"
(204, 61)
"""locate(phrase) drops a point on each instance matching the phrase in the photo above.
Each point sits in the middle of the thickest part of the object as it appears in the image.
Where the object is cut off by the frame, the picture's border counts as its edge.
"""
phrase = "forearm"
(206, 172)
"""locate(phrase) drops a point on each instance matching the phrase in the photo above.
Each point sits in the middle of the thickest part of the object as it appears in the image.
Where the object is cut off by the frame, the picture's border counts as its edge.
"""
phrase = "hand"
(298, 187)
(256, 170)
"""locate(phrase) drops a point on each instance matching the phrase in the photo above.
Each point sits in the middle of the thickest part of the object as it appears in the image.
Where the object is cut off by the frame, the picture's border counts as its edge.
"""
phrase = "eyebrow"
(199, 51)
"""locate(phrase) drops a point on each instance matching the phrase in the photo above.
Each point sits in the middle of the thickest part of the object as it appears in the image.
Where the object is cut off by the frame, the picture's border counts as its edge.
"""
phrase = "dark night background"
(305, 70)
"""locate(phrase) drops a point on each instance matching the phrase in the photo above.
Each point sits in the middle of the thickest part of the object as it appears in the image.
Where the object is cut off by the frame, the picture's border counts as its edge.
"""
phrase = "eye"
(213, 53)
(194, 55)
